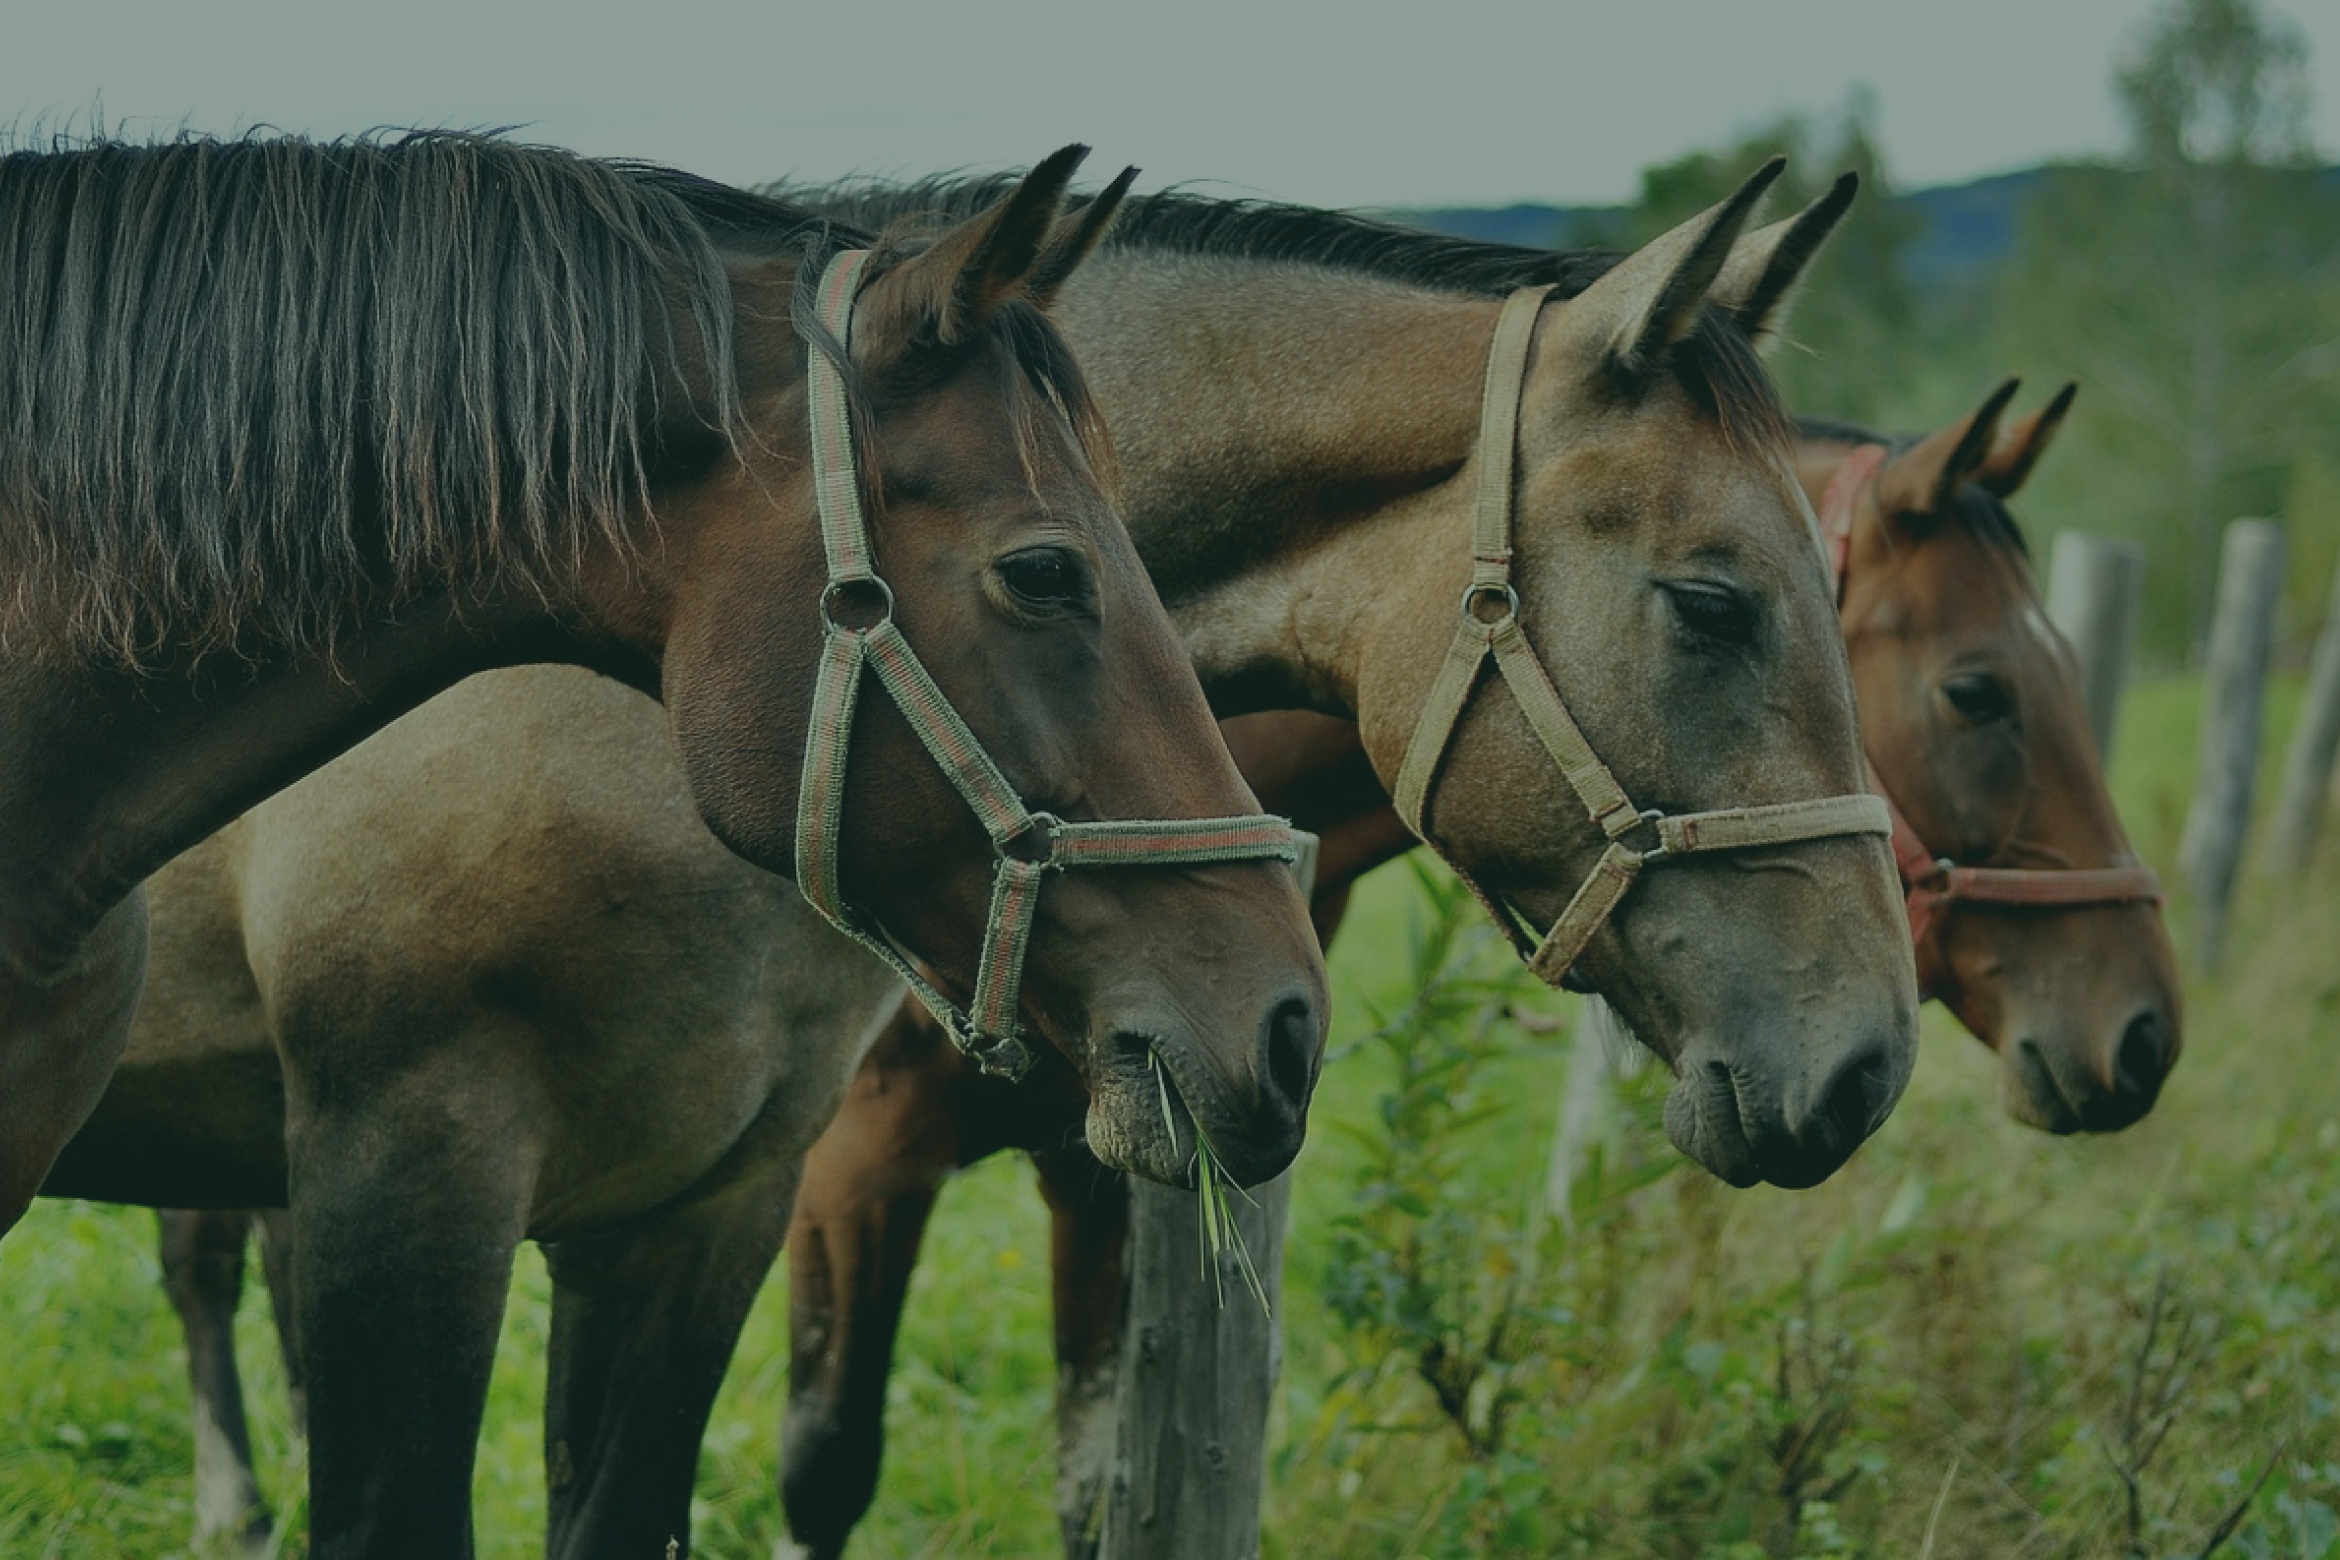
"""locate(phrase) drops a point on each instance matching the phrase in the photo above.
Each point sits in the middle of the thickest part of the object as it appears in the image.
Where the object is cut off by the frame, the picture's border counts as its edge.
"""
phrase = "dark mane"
(254, 390)
(1979, 510)
(1718, 366)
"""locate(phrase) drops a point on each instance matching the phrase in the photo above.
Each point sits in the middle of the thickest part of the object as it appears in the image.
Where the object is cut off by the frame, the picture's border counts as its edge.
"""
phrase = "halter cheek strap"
(1490, 629)
(858, 634)
(1935, 883)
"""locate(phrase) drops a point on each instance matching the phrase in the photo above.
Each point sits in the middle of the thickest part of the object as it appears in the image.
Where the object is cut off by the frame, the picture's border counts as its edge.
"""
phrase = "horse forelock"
(1044, 361)
(254, 390)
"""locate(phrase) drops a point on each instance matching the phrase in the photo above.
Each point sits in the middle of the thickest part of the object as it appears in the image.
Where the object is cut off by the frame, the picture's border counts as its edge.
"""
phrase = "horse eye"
(1978, 697)
(1043, 577)
(1715, 612)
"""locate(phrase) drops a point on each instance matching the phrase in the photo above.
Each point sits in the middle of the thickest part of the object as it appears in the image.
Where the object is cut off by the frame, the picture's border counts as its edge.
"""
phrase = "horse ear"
(1759, 279)
(2020, 447)
(1075, 237)
(1638, 312)
(1919, 481)
(949, 293)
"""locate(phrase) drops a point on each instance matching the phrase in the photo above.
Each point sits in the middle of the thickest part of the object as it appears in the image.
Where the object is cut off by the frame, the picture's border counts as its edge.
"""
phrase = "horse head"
(1971, 704)
(1662, 571)
(1185, 987)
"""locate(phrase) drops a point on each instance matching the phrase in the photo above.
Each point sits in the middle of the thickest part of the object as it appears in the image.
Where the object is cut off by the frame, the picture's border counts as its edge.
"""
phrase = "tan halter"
(1490, 627)
(1029, 844)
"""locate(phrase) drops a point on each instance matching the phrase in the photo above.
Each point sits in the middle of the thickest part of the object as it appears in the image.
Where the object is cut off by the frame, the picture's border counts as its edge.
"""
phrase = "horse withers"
(297, 435)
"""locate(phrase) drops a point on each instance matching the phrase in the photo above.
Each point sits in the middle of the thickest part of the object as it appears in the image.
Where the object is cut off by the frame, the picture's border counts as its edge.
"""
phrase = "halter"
(1935, 883)
(1490, 627)
(1029, 844)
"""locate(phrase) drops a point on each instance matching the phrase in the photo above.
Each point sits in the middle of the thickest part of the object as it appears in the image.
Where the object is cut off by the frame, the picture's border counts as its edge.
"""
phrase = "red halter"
(1935, 883)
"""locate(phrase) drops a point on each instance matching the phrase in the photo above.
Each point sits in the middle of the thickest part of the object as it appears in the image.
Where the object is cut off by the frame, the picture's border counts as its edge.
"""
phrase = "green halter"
(1030, 845)
(1490, 628)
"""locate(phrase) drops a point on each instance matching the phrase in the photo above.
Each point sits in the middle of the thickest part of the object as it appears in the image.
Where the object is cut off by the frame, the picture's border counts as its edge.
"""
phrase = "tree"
(2193, 290)
(2216, 82)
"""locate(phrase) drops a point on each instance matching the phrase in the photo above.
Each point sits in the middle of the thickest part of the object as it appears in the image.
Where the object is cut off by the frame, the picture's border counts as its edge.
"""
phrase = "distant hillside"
(1969, 228)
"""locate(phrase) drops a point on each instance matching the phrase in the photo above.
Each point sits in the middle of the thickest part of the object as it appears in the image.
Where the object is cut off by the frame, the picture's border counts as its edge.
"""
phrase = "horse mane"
(255, 390)
(1717, 365)
(1975, 508)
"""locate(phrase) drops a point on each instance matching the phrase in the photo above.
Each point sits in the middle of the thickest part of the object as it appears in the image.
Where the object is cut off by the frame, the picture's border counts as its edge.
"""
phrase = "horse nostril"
(1290, 1038)
(2141, 1062)
(1857, 1100)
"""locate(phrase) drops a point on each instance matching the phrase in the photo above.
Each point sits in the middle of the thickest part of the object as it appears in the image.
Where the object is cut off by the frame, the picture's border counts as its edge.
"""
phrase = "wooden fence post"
(2094, 585)
(1197, 1370)
(1195, 1381)
(2307, 768)
(2242, 637)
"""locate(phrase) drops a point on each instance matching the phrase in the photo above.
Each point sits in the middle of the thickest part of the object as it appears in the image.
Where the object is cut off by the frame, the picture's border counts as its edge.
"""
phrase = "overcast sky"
(1362, 102)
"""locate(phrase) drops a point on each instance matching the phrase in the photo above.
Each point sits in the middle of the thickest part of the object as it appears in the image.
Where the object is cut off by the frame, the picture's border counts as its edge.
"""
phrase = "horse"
(1686, 413)
(298, 435)
(1971, 712)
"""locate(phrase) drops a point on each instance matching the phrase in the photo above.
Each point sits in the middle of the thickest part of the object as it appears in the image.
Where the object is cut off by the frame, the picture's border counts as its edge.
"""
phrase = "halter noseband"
(1935, 883)
(1490, 627)
(1029, 844)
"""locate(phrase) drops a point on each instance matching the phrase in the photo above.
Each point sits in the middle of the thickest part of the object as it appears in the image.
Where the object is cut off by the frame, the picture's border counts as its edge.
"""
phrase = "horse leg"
(1088, 1208)
(276, 1265)
(644, 1323)
(59, 1040)
(203, 1273)
(859, 1221)
(405, 1222)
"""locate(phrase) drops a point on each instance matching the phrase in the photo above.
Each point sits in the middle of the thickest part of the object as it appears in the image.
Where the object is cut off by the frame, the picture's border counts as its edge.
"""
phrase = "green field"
(1942, 1353)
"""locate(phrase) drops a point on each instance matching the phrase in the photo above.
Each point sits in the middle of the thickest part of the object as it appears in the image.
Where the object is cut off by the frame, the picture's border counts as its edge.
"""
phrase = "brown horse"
(296, 436)
(1656, 507)
(1970, 706)
(446, 402)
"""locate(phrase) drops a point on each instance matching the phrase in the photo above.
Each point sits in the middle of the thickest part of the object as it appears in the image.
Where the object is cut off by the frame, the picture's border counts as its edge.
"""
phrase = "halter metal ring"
(1035, 842)
(1653, 817)
(1479, 590)
(837, 593)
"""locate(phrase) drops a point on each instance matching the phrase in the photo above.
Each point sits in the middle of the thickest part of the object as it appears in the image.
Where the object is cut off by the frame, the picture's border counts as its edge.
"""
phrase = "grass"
(1216, 1230)
(1975, 1341)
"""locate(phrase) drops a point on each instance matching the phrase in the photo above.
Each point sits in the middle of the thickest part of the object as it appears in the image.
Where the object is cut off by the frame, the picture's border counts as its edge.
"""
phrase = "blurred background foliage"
(2191, 286)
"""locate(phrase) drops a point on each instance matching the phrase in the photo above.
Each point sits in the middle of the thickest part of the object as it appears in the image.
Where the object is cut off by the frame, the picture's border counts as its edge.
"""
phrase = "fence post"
(1197, 1369)
(1194, 1383)
(1587, 1108)
(2307, 768)
(2094, 584)
(2242, 637)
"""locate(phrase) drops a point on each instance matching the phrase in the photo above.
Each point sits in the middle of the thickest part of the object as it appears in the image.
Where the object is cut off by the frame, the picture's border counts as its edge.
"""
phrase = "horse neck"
(112, 773)
(1274, 424)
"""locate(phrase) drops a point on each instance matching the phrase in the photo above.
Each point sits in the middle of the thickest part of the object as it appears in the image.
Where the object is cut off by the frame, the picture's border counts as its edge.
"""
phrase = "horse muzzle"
(1746, 1129)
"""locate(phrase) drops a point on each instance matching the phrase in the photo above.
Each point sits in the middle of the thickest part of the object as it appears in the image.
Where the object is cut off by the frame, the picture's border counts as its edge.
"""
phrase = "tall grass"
(1976, 1341)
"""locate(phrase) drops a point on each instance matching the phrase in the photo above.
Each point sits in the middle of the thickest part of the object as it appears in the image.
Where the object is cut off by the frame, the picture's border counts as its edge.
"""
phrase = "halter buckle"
(1653, 817)
(1479, 590)
(869, 592)
(996, 1056)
